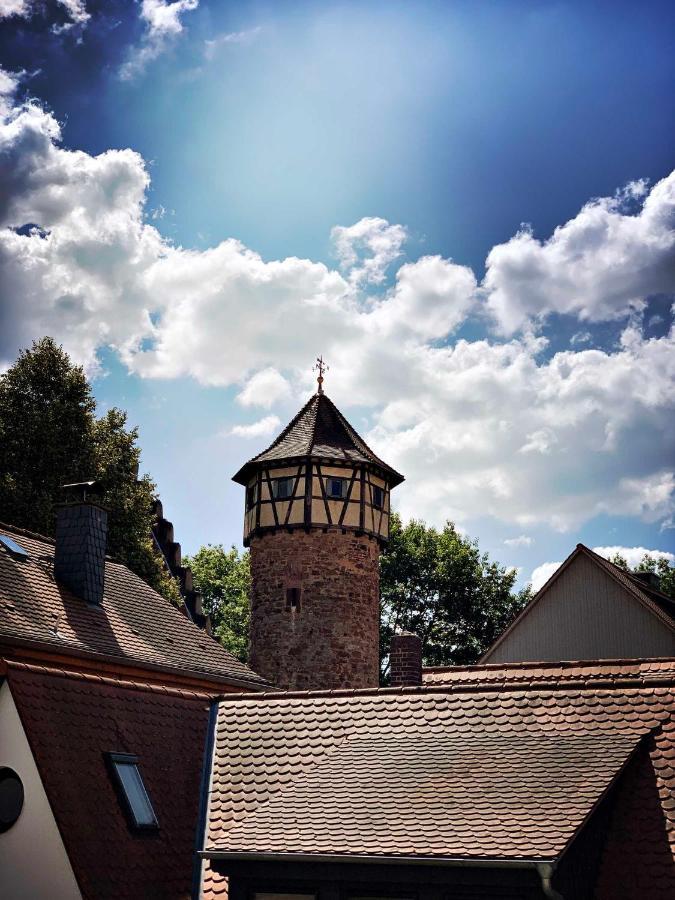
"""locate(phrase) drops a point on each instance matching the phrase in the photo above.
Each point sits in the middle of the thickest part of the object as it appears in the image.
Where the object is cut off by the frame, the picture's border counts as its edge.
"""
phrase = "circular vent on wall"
(11, 798)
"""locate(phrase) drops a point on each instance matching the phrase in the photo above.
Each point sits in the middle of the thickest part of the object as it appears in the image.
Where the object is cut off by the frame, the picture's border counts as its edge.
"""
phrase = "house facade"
(590, 609)
(105, 696)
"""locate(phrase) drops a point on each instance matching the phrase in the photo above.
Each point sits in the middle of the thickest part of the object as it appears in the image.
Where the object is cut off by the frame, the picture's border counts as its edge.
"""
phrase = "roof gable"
(653, 602)
(133, 624)
(318, 431)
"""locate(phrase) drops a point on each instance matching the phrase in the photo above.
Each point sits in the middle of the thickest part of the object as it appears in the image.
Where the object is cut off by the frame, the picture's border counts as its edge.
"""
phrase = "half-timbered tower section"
(317, 512)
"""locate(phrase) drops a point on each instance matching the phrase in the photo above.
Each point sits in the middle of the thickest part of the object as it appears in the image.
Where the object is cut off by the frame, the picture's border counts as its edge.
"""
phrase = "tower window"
(282, 488)
(337, 488)
(132, 791)
(251, 496)
(292, 598)
(378, 496)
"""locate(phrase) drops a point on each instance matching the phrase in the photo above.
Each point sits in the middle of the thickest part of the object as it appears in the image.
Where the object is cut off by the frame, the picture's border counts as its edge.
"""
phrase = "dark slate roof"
(319, 431)
(133, 624)
(72, 720)
(498, 768)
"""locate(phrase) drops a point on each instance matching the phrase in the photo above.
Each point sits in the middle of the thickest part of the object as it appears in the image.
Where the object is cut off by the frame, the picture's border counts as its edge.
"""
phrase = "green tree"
(661, 567)
(658, 565)
(49, 436)
(438, 585)
(223, 577)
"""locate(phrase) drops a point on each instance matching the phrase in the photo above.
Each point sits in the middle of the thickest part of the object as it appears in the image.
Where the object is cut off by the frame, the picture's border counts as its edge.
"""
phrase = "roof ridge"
(36, 536)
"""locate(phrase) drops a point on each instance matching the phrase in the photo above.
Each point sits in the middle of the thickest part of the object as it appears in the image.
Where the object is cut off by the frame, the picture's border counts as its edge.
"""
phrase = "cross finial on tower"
(320, 367)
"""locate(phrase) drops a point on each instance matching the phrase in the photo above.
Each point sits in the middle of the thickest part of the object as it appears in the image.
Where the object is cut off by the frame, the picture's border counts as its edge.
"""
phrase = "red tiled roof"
(134, 624)
(499, 768)
(318, 431)
(71, 721)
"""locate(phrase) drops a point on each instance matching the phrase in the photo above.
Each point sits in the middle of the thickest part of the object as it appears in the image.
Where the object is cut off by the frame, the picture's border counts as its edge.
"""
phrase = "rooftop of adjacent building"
(133, 626)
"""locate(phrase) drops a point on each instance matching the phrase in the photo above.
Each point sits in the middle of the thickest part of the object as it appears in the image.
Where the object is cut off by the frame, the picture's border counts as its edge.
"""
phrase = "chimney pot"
(405, 657)
(81, 539)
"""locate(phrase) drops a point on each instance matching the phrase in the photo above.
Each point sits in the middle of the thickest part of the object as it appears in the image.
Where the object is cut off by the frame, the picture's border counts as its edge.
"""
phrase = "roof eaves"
(78, 652)
(460, 861)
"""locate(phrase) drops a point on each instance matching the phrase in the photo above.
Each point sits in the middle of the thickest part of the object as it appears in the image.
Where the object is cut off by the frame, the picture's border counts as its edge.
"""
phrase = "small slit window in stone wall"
(282, 488)
(337, 488)
(378, 496)
(293, 598)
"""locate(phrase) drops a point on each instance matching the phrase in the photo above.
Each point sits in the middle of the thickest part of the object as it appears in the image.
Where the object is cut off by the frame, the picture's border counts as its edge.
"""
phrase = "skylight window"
(132, 791)
(14, 549)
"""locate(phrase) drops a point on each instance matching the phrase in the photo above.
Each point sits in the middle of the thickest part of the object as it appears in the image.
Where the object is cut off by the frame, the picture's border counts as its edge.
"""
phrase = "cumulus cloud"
(163, 24)
(633, 555)
(265, 388)
(366, 250)
(497, 428)
(266, 426)
(600, 265)
(542, 574)
(14, 8)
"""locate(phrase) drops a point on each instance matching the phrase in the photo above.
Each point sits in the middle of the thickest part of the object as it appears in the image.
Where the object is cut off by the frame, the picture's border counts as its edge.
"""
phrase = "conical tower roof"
(321, 432)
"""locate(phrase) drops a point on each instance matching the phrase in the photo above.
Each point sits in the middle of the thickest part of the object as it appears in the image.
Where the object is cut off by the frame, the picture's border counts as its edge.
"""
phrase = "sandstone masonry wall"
(315, 609)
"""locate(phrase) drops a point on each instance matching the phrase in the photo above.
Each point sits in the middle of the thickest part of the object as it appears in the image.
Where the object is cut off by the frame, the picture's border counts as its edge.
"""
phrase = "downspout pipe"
(546, 871)
(204, 792)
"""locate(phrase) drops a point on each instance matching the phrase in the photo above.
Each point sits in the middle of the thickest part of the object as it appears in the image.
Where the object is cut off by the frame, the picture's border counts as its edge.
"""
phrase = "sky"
(467, 207)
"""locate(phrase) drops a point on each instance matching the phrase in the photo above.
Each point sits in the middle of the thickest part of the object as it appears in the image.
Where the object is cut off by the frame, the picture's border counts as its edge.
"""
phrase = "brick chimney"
(405, 657)
(81, 539)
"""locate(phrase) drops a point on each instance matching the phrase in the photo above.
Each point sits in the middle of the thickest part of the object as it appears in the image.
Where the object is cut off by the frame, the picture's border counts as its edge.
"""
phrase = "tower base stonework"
(315, 609)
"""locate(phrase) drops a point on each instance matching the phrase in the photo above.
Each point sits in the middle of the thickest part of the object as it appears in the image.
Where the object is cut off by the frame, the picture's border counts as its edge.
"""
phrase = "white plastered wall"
(33, 860)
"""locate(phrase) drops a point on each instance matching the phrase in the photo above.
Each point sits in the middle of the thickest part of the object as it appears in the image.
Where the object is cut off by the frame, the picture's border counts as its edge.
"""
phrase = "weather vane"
(320, 367)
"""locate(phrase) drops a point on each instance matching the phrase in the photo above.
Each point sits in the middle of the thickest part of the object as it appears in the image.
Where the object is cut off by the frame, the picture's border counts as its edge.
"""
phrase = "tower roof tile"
(318, 431)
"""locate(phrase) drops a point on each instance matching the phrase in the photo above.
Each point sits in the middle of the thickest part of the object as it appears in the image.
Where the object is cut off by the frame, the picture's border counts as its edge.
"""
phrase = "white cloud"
(522, 540)
(365, 250)
(265, 388)
(211, 47)
(633, 555)
(595, 428)
(76, 10)
(542, 574)
(14, 8)
(600, 265)
(163, 24)
(265, 426)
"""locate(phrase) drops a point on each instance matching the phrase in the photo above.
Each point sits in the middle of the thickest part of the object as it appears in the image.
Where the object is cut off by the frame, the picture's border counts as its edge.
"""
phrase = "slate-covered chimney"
(81, 538)
(405, 659)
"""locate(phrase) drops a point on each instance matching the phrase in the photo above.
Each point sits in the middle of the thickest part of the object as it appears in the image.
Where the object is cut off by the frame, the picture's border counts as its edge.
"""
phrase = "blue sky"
(530, 399)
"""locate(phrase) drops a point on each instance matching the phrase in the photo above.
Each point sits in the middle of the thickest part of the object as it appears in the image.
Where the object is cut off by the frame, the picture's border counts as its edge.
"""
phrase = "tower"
(316, 517)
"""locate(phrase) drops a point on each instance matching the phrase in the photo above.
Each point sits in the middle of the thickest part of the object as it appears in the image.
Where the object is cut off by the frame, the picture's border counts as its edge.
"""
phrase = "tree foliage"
(659, 566)
(223, 577)
(50, 435)
(438, 585)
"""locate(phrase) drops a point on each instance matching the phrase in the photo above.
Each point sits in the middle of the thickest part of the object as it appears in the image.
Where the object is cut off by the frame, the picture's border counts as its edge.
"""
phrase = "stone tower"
(317, 514)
